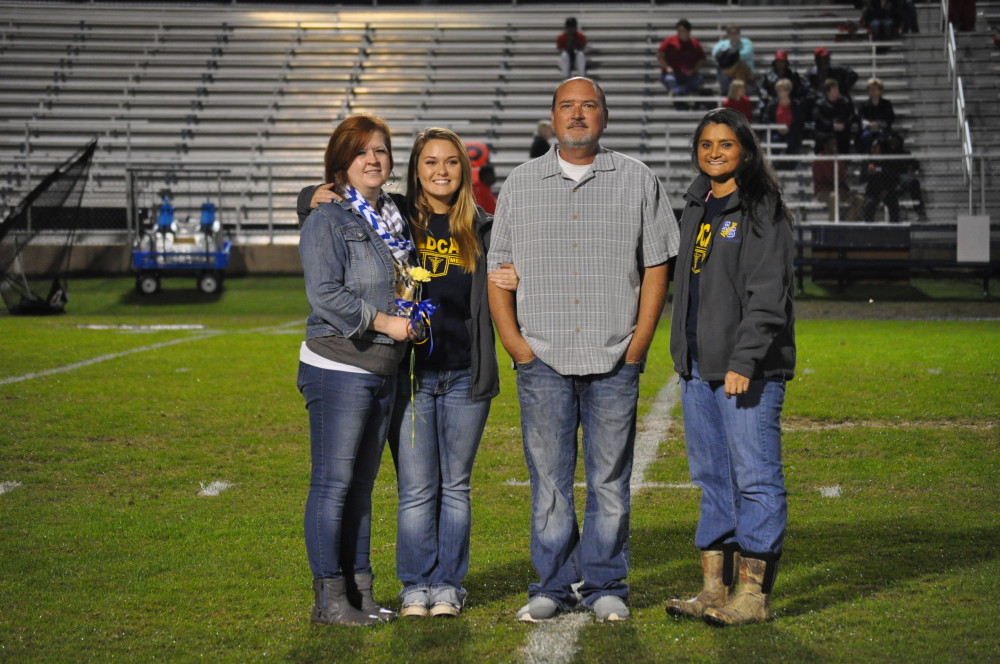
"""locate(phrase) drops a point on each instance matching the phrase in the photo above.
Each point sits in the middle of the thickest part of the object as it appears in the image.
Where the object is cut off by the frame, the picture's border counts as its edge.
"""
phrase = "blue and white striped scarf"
(389, 225)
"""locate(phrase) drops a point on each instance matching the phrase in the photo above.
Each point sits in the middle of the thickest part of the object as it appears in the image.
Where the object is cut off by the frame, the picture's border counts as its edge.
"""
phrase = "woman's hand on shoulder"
(324, 194)
(505, 277)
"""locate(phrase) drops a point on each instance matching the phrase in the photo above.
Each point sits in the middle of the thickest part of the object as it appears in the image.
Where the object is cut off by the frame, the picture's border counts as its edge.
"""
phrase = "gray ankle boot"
(363, 582)
(332, 607)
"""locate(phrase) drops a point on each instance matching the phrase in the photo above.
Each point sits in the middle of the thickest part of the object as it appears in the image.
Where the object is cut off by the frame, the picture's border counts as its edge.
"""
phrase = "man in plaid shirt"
(589, 232)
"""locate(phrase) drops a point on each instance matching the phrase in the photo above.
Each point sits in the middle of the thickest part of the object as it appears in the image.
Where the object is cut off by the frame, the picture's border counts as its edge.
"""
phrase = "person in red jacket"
(482, 188)
(571, 43)
(738, 100)
(681, 58)
(823, 180)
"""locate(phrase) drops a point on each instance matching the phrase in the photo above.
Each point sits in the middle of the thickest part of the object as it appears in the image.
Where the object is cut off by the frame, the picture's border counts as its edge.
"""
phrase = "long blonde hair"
(461, 216)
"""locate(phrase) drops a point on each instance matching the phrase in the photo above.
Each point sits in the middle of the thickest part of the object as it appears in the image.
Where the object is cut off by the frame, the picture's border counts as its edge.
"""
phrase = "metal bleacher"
(256, 91)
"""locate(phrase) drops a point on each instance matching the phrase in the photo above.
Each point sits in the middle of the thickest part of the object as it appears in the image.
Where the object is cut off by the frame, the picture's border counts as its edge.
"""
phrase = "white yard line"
(8, 486)
(141, 349)
(554, 641)
(99, 359)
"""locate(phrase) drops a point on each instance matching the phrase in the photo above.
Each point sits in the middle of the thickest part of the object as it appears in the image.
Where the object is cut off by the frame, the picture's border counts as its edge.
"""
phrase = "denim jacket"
(349, 274)
(485, 377)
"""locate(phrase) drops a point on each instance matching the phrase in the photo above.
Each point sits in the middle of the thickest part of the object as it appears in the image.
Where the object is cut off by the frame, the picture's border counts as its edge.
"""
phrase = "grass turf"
(108, 553)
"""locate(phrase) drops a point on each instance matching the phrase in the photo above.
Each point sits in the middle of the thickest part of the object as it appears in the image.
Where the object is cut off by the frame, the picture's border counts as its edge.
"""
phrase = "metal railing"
(957, 90)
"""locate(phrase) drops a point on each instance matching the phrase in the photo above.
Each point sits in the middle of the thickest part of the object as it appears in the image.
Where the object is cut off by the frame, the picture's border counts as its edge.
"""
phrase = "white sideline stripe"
(8, 486)
(141, 328)
(554, 641)
(100, 358)
(141, 349)
(653, 429)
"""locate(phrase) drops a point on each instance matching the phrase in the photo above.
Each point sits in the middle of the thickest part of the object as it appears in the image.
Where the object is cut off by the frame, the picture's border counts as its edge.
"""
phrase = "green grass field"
(108, 553)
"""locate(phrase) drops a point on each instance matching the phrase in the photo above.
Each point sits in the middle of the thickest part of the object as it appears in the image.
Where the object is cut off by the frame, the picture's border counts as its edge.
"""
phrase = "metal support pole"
(130, 221)
(270, 204)
(982, 185)
(836, 189)
(221, 206)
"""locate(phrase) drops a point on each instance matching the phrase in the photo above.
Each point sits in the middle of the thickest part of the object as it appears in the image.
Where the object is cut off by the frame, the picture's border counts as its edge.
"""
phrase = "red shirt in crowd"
(682, 57)
(783, 115)
(742, 105)
(823, 177)
(574, 40)
(483, 194)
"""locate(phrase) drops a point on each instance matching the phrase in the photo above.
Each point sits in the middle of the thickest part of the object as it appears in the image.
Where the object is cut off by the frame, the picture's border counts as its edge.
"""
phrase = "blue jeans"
(438, 436)
(683, 84)
(734, 454)
(553, 406)
(348, 420)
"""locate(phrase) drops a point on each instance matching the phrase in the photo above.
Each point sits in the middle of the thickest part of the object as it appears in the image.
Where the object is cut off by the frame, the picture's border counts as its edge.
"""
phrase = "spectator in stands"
(875, 115)
(542, 139)
(785, 110)
(780, 68)
(881, 18)
(738, 100)
(482, 188)
(881, 184)
(729, 68)
(962, 14)
(908, 20)
(823, 180)
(580, 364)
(835, 115)
(570, 44)
(909, 170)
(349, 361)
(732, 340)
(681, 58)
(823, 69)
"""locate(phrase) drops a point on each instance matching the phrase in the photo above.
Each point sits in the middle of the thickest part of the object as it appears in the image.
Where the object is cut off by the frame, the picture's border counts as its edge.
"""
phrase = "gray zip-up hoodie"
(746, 321)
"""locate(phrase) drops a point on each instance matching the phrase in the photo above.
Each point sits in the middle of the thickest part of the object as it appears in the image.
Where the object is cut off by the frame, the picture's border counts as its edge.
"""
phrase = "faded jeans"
(734, 455)
(348, 421)
(553, 407)
(439, 434)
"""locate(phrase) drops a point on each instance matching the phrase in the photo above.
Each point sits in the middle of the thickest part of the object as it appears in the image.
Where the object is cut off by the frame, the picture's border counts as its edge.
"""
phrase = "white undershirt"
(574, 172)
(306, 356)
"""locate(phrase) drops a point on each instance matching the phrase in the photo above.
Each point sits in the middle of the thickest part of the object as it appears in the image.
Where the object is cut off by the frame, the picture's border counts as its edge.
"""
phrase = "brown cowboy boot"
(717, 569)
(750, 604)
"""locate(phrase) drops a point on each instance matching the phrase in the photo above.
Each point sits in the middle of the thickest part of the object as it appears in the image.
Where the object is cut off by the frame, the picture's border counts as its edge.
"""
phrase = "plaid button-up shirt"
(578, 248)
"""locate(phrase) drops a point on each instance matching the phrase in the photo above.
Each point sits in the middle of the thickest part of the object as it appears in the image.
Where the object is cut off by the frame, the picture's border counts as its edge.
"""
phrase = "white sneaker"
(414, 605)
(610, 608)
(445, 610)
(539, 608)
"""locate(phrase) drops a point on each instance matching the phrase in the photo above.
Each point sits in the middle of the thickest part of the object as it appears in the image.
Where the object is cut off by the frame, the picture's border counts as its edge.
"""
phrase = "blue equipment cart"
(207, 266)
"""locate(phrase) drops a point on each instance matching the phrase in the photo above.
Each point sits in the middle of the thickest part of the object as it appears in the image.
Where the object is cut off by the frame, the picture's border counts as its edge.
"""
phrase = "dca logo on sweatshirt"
(728, 230)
